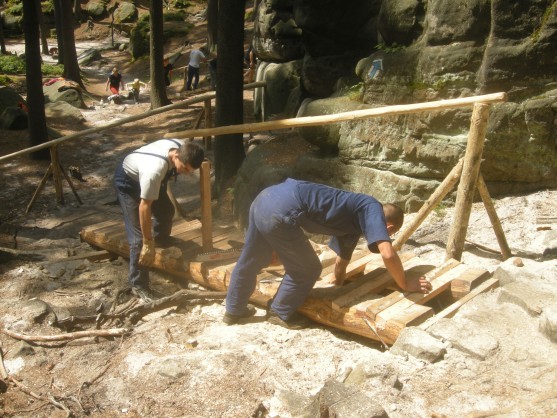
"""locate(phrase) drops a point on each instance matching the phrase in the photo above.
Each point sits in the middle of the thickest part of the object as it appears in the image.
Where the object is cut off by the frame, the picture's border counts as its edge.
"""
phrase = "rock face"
(422, 51)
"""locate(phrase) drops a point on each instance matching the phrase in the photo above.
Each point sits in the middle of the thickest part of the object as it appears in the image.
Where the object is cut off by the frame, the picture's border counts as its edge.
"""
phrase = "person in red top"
(114, 81)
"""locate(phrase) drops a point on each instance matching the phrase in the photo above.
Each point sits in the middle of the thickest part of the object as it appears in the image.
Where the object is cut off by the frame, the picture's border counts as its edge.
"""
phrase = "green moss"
(11, 64)
(177, 16)
(5, 80)
(356, 92)
(394, 47)
(52, 70)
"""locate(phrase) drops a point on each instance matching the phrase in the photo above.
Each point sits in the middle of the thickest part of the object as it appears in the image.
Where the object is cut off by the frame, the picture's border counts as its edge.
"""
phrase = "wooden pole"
(39, 188)
(56, 176)
(468, 180)
(436, 197)
(490, 208)
(206, 213)
(339, 117)
(208, 123)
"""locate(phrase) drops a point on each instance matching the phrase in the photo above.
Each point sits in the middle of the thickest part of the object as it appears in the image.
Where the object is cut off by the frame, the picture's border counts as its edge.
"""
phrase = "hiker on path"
(196, 57)
(114, 82)
(278, 217)
(135, 87)
(141, 182)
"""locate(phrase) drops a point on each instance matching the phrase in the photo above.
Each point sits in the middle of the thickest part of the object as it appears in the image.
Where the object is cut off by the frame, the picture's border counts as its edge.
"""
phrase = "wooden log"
(341, 117)
(56, 175)
(39, 188)
(436, 197)
(450, 310)
(492, 213)
(206, 211)
(471, 279)
(469, 178)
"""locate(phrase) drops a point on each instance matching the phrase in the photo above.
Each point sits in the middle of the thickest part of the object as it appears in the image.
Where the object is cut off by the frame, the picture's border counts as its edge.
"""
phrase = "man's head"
(394, 217)
(191, 155)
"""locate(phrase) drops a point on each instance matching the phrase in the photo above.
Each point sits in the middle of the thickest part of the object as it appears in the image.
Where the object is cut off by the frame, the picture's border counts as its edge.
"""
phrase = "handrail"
(187, 102)
(339, 117)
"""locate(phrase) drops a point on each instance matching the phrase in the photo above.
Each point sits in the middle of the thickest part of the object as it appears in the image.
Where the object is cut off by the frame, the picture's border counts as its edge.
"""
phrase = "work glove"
(147, 255)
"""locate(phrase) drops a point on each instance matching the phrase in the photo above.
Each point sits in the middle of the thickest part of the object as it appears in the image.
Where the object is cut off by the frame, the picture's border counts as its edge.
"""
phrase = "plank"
(450, 310)
(473, 277)
(378, 306)
(389, 329)
(374, 281)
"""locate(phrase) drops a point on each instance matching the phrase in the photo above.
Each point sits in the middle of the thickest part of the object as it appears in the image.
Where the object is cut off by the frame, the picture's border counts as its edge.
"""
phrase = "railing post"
(206, 213)
(468, 180)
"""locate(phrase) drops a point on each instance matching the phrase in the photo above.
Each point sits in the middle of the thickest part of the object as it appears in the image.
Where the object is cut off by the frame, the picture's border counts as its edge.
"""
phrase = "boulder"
(14, 118)
(95, 9)
(63, 113)
(9, 98)
(64, 91)
(88, 56)
(125, 13)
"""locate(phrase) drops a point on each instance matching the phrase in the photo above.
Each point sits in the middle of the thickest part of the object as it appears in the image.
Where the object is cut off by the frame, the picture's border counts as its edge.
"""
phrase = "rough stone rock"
(125, 13)
(95, 9)
(9, 98)
(63, 112)
(548, 322)
(465, 338)
(38, 311)
(338, 400)
(88, 56)
(61, 91)
(532, 298)
(419, 344)
(400, 22)
(14, 118)
(21, 349)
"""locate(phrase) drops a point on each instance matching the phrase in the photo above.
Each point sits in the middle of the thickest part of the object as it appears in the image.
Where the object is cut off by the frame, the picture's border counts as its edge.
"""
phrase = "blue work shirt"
(346, 216)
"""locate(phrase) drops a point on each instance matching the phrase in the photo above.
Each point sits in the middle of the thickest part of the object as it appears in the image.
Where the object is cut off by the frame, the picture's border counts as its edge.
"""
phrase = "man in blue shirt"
(278, 217)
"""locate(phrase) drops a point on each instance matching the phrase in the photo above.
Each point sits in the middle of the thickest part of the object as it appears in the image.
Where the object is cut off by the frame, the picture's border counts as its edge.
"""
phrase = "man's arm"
(340, 270)
(147, 255)
(395, 269)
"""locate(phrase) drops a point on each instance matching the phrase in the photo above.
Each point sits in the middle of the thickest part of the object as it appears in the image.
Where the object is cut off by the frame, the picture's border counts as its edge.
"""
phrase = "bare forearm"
(145, 220)
(395, 269)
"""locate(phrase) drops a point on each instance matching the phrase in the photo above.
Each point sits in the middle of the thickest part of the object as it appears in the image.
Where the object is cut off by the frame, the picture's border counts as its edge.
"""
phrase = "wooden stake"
(56, 176)
(436, 197)
(206, 213)
(469, 178)
(490, 208)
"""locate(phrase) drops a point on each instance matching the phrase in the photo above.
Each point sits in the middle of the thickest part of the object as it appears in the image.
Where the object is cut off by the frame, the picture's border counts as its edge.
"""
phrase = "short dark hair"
(192, 154)
(394, 214)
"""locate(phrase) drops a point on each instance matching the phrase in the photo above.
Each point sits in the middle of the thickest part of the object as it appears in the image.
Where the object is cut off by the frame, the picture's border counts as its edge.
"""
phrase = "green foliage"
(356, 92)
(47, 7)
(11, 64)
(249, 15)
(181, 4)
(177, 16)
(15, 10)
(52, 70)
(440, 210)
(5, 80)
(394, 47)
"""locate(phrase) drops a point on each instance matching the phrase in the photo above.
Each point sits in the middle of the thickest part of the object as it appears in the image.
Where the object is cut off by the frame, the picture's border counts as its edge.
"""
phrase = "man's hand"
(147, 255)
(419, 284)
(340, 271)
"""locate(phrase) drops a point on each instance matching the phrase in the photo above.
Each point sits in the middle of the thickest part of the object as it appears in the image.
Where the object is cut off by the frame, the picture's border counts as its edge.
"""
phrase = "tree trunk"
(59, 30)
(2, 40)
(33, 77)
(42, 27)
(229, 149)
(212, 24)
(158, 87)
(77, 10)
(71, 67)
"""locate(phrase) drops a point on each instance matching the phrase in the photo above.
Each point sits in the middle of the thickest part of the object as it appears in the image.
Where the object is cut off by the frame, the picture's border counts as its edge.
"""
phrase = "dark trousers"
(272, 227)
(193, 76)
(128, 192)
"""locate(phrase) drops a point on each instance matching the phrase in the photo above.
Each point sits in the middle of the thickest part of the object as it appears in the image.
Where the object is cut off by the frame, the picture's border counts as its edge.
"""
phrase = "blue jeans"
(272, 226)
(128, 192)
(193, 75)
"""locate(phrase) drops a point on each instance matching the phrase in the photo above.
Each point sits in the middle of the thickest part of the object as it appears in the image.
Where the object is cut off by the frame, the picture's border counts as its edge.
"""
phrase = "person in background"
(141, 182)
(196, 57)
(167, 72)
(135, 87)
(114, 82)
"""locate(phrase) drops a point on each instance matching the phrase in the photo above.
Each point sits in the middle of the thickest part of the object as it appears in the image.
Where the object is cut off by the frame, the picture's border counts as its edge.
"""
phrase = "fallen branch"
(116, 332)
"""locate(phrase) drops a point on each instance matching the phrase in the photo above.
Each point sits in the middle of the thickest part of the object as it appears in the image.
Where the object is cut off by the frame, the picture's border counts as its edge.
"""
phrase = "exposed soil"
(184, 361)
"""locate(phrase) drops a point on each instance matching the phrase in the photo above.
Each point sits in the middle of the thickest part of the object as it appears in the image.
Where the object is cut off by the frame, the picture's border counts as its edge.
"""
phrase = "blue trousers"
(193, 76)
(128, 192)
(272, 226)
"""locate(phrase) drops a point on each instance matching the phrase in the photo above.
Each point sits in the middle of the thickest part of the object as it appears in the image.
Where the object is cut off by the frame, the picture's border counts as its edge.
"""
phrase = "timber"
(339, 117)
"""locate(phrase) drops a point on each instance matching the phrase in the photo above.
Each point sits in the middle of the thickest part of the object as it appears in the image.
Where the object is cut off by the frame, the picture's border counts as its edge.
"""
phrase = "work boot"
(295, 322)
(146, 294)
(231, 319)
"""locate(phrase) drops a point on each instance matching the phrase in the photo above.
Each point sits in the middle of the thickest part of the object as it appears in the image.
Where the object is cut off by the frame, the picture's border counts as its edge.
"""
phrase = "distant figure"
(114, 82)
(250, 62)
(90, 24)
(196, 56)
(167, 72)
(135, 87)
(53, 51)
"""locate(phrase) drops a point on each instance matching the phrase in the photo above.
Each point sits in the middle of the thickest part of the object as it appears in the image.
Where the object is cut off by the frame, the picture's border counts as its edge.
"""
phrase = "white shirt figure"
(195, 58)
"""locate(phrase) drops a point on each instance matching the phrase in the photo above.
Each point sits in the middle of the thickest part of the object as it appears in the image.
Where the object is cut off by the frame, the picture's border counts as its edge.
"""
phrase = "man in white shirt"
(141, 181)
(196, 57)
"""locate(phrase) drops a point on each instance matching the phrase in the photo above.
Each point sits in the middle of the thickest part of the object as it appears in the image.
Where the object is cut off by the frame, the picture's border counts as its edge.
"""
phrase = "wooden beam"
(468, 180)
(436, 197)
(341, 117)
(206, 212)
(495, 223)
